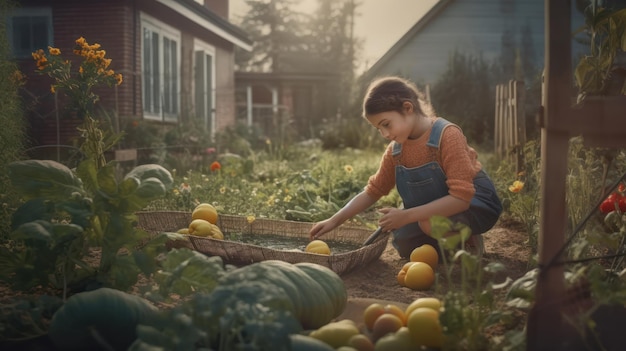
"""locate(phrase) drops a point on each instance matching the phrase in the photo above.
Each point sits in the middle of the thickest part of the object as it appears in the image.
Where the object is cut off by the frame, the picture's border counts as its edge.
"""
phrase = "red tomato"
(622, 204)
(612, 201)
(607, 206)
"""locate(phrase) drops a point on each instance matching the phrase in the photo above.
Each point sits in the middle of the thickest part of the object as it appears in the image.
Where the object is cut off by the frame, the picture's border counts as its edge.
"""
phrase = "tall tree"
(276, 29)
(333, 43)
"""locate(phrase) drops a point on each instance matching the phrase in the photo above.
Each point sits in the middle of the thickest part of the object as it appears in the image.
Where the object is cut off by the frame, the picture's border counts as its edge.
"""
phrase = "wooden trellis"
(601, 123)
(510, 122)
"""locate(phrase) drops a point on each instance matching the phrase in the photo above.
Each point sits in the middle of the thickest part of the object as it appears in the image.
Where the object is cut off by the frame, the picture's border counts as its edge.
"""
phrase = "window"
(204, 85)
(29, 29)
(160, 70)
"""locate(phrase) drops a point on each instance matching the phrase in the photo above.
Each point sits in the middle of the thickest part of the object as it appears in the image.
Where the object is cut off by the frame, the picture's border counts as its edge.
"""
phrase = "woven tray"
(238, 253)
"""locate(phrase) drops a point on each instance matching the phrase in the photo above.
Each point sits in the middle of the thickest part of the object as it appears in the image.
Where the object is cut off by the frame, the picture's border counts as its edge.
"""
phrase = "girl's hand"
(393, 218)
(321, 228)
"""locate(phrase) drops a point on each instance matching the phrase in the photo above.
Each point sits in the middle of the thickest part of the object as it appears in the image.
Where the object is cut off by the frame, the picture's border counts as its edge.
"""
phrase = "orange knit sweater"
(458, 160)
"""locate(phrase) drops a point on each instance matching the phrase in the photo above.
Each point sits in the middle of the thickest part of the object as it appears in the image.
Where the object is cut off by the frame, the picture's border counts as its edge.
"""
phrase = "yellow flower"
(250, 219)
(516, 187)
(348, 168)
(222, 190)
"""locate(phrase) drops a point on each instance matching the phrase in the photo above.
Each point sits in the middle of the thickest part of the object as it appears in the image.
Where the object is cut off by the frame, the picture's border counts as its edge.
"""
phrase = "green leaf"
(186, 271)
(107, 183)
(80, 211)
(88, 173)
(123, 273)
(31, 210)
(143, 172)
(43, 178)
(129, 185)
(38, 230)
(150, 189)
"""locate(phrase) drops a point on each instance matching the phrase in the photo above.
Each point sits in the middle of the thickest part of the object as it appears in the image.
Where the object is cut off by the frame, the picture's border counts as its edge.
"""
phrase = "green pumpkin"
(330, 281)
(109, 314)
(318, 294)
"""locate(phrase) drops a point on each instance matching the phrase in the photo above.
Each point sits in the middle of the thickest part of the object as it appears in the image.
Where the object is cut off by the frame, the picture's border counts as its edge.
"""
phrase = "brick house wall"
(116, 26)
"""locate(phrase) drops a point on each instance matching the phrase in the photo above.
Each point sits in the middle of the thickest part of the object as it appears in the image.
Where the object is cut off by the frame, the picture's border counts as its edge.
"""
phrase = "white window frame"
(208, 118)
(29, 12)
(163, 31)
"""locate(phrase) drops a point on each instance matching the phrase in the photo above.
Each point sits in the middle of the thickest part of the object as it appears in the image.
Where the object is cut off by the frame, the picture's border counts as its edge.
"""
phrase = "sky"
(380, 23)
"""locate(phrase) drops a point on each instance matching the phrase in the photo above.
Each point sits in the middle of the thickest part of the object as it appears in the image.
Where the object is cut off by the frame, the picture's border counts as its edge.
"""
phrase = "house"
(491, 29)
(291, 102)
(176, 57)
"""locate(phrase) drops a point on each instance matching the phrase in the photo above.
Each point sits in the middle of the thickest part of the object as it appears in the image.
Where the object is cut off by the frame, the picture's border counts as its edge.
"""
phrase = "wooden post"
(520, 122)
(545, 322)
(498, 123)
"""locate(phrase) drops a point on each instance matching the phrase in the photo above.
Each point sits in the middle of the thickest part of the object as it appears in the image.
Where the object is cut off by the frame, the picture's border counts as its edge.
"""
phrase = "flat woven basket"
(239, 253)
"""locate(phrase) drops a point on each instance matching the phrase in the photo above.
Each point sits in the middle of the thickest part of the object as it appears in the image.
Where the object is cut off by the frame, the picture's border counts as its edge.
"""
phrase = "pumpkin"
(111, 314)
(317, 247)
(317, 297)
(318, 308)
(330, 281)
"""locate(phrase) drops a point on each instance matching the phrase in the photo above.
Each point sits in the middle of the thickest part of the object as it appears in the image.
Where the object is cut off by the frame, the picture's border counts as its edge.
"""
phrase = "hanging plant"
(603, 70)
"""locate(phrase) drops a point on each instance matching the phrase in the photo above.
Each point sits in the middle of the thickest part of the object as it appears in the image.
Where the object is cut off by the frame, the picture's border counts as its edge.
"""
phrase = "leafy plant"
(67, 215)
(217, 312)
(606, 60)
(472, 308)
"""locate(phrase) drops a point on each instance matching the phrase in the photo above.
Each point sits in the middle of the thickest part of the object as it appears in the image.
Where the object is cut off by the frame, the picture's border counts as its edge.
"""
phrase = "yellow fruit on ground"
(394, 309)
(420, 276)
(205, 211)
(425, 328)
(201, 227)
(430, 302)
(361, 342)
(388, 323)
(371, 313)
(318, 247)
(402, 273)
(401, 340)
(427, 254)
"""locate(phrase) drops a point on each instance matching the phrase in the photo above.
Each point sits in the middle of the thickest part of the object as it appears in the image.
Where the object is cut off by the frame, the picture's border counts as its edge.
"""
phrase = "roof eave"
(210, 21)
(406, 38)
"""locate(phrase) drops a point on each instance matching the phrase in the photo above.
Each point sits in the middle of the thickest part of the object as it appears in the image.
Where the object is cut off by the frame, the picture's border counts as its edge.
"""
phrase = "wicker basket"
(238, 253)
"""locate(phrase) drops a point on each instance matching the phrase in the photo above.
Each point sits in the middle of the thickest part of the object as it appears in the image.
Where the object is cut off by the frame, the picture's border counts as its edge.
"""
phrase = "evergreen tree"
(276, 29)
(464, 95)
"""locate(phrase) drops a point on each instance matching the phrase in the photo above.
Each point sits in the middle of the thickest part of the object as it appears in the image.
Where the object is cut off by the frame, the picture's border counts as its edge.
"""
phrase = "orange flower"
(54, 51)
(516, 187)
(215, 166)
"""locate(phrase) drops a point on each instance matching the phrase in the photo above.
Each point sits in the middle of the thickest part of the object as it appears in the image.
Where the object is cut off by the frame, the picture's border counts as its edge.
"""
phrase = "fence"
(510, 125)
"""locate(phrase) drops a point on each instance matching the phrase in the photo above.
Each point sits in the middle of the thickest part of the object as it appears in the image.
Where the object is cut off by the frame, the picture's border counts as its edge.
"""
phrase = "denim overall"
(423, 184)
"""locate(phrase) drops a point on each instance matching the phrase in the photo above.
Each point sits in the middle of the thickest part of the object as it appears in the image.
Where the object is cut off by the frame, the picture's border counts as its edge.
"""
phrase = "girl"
(430, 163)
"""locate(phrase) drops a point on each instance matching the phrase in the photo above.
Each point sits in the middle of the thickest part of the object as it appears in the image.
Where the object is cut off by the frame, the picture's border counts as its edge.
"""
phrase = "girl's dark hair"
(389, 93)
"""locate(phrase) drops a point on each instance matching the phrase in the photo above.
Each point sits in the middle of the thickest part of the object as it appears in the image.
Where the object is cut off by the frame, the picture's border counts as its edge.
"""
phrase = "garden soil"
(506, 243)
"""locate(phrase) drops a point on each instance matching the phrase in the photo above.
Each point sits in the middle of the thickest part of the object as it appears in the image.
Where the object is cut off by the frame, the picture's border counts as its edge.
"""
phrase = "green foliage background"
(13, 132)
